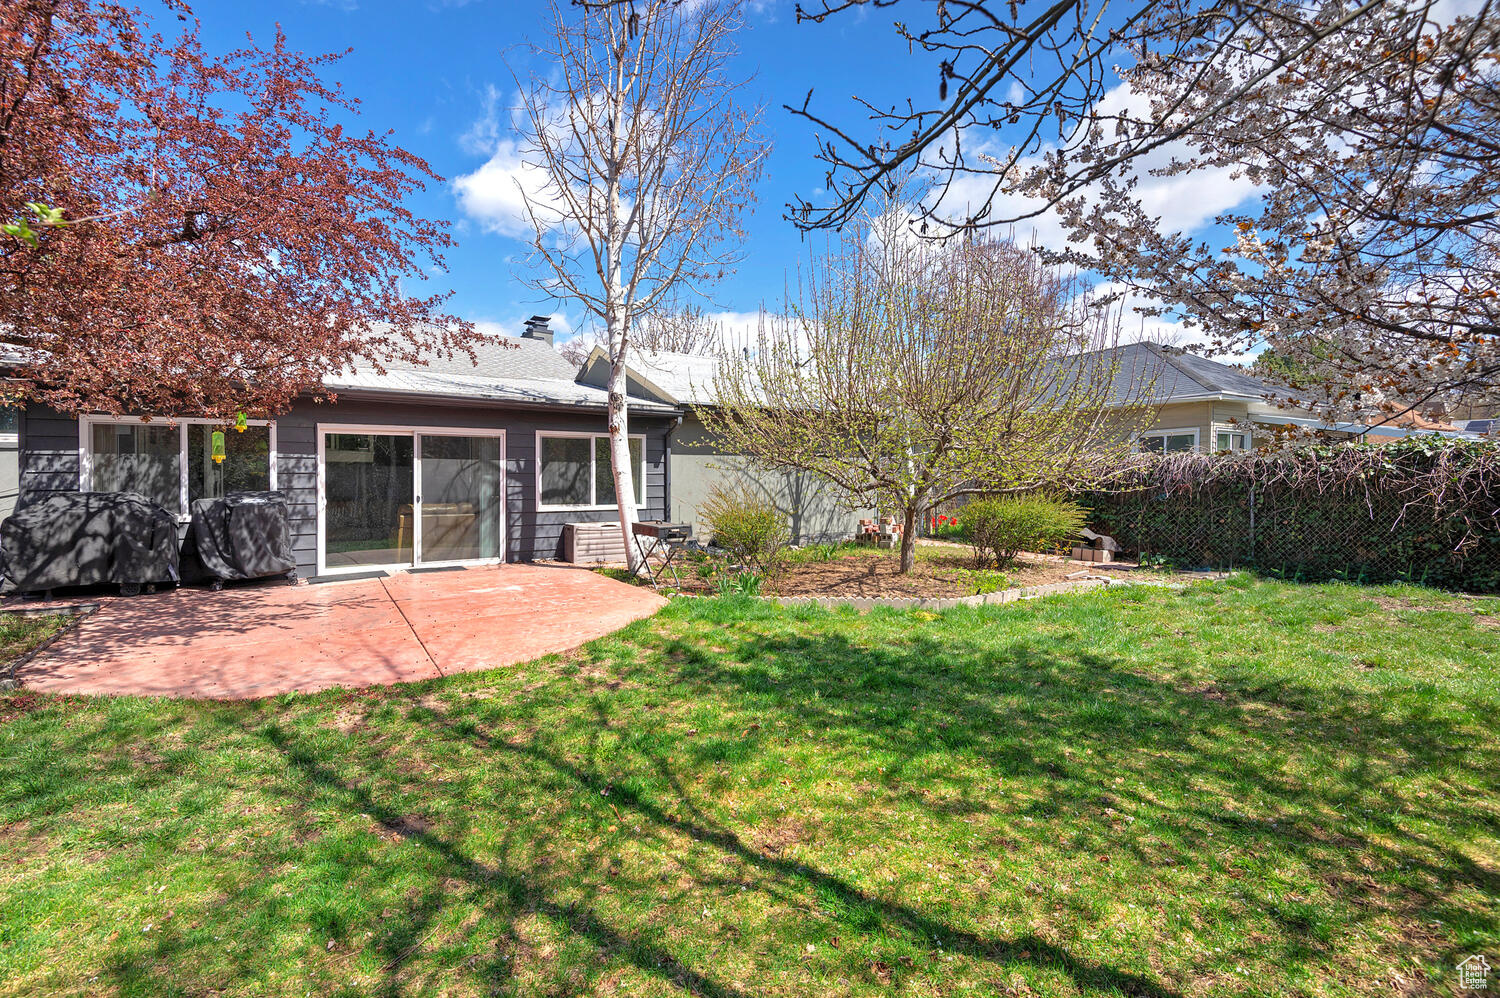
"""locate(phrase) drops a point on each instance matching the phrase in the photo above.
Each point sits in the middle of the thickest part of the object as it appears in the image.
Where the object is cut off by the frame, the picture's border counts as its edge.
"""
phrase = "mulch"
(940, 574)
(936, 576)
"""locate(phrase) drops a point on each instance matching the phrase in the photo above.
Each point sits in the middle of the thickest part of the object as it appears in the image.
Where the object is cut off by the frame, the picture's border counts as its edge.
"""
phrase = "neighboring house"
(815, 509)
(1488, 428)
(1203, 405)
(451, 462)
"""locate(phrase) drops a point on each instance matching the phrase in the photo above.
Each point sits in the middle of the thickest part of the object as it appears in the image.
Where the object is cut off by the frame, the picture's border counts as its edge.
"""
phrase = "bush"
(999, 529)
(748, 526)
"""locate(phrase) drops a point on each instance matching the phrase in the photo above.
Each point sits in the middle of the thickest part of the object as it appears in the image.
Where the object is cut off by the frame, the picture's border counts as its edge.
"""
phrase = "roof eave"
(469, 401)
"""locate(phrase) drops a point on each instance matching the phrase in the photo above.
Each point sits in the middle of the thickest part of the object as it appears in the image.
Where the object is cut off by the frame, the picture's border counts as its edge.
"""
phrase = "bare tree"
(914, 373)
(686, 329)
(649, 160)
(1369, 129)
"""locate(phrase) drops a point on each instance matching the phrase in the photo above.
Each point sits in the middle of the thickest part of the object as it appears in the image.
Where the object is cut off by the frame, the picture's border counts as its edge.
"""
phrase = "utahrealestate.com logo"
(1474, 973)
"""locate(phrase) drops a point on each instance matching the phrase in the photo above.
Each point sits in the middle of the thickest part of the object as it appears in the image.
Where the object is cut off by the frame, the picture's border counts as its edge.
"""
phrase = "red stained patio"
(261, 640)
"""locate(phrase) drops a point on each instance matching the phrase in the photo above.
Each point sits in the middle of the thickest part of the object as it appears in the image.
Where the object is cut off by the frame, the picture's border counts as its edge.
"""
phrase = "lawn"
(1242, 788)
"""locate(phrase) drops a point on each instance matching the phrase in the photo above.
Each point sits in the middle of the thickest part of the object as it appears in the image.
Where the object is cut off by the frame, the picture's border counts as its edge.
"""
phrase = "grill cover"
(87, 538)
(244, 535)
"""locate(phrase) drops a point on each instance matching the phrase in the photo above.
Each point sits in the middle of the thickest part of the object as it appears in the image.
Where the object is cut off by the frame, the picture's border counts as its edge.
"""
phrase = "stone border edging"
(947, 602)
(76, 612)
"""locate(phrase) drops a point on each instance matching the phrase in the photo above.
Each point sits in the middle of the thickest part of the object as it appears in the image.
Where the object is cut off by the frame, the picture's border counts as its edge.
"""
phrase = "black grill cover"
(244, 535)
(87, 538)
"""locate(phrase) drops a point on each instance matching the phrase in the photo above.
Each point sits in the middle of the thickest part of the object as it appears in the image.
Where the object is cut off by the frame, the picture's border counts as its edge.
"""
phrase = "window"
(1169, 441)
(246, 467)
(138, 457)
(575, 471)
(172, 463)
(1231, 440)
(10, 420)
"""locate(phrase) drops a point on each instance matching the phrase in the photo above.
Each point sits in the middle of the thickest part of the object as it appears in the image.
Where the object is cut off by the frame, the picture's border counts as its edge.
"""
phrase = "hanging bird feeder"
(240, 422)
(218, 446)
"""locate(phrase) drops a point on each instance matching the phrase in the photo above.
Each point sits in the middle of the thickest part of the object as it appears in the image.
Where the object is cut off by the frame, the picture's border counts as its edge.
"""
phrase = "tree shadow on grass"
(1055, 716)
(1058, 715)
(520, 890)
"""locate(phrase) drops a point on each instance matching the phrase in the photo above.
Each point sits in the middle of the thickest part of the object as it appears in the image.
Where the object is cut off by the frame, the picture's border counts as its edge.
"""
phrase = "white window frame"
(593, 485)
(416, 433)
(1179, 431)
(86, 426)
(1247, 439)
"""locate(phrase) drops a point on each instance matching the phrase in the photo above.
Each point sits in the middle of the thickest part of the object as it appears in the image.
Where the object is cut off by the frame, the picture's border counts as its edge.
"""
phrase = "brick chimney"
(537, 328)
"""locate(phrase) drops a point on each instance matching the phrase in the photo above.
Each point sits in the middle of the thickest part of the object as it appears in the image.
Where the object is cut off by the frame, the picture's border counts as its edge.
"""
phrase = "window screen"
(1156, 443)
(604, 474)
(567, 466)
(137, 457)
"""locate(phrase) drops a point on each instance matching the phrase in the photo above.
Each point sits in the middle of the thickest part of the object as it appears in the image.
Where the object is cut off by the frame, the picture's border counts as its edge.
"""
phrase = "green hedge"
(1411, 511)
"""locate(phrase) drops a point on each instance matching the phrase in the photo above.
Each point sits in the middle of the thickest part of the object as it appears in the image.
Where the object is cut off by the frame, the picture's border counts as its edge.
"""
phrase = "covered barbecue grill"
(87, 538)
(244, 535)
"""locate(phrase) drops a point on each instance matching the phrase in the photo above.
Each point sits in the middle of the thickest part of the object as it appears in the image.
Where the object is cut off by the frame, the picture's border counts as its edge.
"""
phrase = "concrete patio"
(261, 640)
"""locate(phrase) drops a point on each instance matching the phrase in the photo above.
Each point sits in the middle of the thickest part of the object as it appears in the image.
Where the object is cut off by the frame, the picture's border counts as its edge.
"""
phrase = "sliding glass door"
(461, 500)
(395, 498)
(368, 501)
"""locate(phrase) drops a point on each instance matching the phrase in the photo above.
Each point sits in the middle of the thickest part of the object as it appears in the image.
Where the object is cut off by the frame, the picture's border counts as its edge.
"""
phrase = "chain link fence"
(1370, 529)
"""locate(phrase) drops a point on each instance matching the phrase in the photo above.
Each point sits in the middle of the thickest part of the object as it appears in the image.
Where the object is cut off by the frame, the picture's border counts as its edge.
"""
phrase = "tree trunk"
(909, 540)
(619, 459)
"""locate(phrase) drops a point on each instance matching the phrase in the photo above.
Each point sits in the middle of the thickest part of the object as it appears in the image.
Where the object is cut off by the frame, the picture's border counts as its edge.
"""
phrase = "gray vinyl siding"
(49, 452)
(50, 462)
(10, 477)
(816, 509)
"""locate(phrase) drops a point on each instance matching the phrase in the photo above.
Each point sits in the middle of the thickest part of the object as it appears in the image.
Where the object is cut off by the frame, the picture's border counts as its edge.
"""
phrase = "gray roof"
(508, 357)
(512, 370)
(687, 378)
(1175, 375)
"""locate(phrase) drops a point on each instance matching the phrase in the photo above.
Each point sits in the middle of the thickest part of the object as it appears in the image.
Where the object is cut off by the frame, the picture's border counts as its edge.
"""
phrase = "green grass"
(20, 633)
(1243, 788)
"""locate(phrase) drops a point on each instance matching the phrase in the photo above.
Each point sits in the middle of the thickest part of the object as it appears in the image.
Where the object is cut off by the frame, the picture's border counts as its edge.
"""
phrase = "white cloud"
(1137, 327)
(1134, 325)
(560, 324)
(495, 195)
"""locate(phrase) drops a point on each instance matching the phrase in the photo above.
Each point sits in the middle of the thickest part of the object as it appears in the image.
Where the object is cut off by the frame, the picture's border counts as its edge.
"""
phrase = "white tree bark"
(649, 163)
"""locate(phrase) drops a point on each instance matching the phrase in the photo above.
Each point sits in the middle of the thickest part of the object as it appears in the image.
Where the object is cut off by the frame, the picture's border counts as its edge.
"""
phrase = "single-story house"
(453, 461)
(816, 510)
(448, 463)
(1206, 406)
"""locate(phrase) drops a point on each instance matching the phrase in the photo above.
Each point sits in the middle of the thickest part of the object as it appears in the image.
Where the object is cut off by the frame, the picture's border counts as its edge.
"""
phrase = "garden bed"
(943, 570)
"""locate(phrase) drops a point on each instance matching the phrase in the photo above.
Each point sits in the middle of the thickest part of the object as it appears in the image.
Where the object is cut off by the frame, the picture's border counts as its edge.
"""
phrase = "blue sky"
(431, 72)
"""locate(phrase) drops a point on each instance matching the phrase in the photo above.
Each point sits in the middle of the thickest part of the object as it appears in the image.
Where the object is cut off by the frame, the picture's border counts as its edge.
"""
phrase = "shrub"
(1000, 528)
(748, 526)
